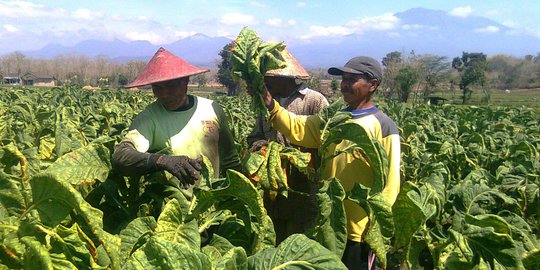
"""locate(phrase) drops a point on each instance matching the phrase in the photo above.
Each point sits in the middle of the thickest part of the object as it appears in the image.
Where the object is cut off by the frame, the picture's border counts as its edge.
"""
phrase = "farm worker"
(288, 86)
(184, 126)
(360, 78)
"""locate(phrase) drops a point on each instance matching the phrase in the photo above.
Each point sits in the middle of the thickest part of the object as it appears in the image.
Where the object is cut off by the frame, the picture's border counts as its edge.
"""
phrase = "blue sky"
(32, 24)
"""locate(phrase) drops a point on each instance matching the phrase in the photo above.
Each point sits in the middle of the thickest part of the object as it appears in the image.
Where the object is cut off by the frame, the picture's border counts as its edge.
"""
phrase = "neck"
(362, 105)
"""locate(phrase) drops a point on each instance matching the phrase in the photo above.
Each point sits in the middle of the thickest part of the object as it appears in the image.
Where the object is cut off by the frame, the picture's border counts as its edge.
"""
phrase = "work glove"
(184, 168)
(257, 145)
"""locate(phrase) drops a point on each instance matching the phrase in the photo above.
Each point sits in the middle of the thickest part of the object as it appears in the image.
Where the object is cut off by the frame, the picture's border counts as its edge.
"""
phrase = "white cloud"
(10, 28)
(184, 34)
(461, 11)
(277, 22)
(489, 29)
(301, 4)
(86, 14)
(25, 9)
(223, 33)
(386, 21)
(149, 36)
(510, 24)
(237, 18)
(325, 31)
(418, 27)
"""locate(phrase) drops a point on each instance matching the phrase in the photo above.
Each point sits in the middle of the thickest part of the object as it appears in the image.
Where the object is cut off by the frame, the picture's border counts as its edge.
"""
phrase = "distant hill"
(422, 30)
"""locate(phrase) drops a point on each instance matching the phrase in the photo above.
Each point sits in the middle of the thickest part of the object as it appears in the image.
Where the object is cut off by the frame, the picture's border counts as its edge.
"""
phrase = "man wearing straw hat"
(287, 86)
(173, 132)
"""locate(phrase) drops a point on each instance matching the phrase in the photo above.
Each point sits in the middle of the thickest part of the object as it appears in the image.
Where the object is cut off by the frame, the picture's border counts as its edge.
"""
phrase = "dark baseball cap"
(360, 65)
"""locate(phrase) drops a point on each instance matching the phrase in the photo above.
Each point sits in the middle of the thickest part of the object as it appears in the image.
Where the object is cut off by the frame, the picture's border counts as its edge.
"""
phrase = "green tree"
(472, 68)
(392, 63)
(201, 80)
(122, 80)
(406, 78)
(433, 71)
(224, 74)
(392, 58)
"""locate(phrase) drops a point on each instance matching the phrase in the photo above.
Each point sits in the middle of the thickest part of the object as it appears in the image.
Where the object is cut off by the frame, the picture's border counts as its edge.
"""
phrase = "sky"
(32, 24)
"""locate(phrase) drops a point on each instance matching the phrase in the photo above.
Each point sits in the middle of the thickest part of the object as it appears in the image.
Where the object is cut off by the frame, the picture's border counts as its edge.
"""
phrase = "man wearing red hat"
(287, 85)
(181, 126)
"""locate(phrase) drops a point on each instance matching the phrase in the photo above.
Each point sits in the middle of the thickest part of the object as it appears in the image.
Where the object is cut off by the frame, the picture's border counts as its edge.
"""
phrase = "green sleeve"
(228, 155)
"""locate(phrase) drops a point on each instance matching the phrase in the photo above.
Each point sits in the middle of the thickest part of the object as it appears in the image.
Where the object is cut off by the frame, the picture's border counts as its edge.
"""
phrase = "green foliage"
(469, 199)
(224, 74)
(251, 58)
(473, 68)
(297, 252)
(406, 79)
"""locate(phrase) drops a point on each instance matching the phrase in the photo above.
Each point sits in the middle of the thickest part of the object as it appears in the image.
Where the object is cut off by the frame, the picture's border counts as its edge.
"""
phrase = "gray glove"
(182, 167)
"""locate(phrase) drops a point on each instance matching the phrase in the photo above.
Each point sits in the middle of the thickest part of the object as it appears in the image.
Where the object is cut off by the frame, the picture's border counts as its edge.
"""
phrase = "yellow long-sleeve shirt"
(349, 169)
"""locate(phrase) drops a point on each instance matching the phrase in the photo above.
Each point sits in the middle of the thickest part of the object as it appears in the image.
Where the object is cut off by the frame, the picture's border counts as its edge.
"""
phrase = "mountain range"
(423, 31)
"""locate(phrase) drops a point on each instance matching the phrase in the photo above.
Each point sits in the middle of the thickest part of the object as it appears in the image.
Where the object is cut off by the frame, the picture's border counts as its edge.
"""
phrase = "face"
(279, 86)
(357, 90)
(171, 94)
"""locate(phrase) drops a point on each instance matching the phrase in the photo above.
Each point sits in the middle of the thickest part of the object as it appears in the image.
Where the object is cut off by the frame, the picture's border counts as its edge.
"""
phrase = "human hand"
(257, 145)
(184, 168)
(267, 97)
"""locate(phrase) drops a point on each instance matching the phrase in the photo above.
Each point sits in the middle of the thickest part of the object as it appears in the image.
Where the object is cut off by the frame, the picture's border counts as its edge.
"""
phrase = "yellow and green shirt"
(200, 128)
(348, 168)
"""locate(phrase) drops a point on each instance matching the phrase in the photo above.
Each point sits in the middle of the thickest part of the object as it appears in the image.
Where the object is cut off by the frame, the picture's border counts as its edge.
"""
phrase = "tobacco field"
(470, 195)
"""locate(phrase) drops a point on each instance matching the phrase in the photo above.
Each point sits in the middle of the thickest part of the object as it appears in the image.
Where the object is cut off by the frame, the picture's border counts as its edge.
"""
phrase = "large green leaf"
(250, 60)
(75, 246)
(240, 188)
(357, 135)
(489, 236)
(380, 228)
(234, 259)
(162, 254)
(52, 199)
(331, 230)
(478, 198)
(11, 198)
(10, 157)
(296, 252)
(83, 166)
(172, 226)
(36, 255)
(532, 260)
(136, 233)
(412, 209)
(221, 244)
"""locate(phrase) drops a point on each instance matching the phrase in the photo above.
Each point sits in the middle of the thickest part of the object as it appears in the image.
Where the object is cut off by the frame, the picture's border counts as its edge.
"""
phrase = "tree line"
(405, 74)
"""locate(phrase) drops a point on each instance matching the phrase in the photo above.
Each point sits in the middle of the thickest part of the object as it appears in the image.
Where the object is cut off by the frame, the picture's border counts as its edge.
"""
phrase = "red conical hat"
(292, 70)
(164, 66)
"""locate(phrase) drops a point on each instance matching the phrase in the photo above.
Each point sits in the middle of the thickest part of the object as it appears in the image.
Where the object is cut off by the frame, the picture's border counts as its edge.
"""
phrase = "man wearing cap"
(360, 78)
(287, 85)
(178, 126)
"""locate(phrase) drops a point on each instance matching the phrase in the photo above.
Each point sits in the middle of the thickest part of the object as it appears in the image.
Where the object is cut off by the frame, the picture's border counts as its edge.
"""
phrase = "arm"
(300, 130)
(391, 145)
(128, 161)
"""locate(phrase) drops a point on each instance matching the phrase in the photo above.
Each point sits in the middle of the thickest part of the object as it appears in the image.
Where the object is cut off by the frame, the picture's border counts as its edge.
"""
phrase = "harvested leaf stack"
(251, 58)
